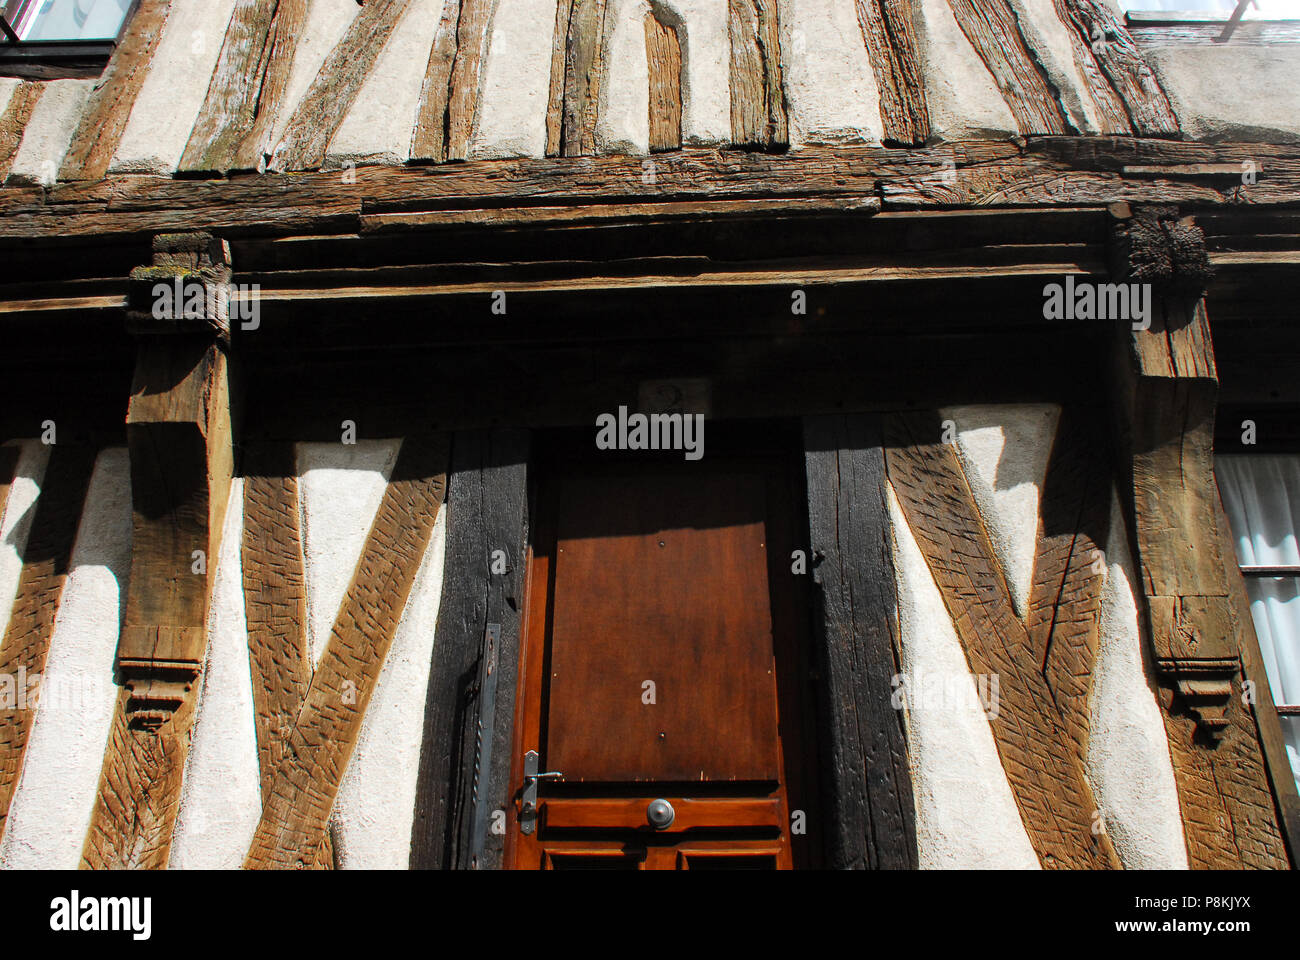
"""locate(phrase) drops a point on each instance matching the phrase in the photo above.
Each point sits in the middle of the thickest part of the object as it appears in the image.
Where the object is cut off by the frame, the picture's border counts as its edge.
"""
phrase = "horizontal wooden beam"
(1043, 172)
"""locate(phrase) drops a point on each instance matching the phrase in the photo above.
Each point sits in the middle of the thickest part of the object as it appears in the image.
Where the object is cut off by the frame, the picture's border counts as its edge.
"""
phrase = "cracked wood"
(1046, 777)
(105, 116)
(873, 815)
(993, 29)
(247, 89)
(892, 46)
(663, 51)
(318, 116)
(577, 73)
(758, 113)
(295, 817)
(449, 97)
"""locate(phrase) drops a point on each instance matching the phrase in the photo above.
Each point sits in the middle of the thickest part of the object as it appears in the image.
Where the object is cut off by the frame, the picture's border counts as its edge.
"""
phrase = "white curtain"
(1261, 495)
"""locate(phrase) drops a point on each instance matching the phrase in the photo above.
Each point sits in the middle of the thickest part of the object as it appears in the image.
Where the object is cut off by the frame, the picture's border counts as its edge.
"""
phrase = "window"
(1242, 22)
(42, 39)
(1261, 495)
(1257, 10)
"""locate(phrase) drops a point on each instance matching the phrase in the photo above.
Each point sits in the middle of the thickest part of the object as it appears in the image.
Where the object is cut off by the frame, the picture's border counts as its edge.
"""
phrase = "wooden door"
(663, 659)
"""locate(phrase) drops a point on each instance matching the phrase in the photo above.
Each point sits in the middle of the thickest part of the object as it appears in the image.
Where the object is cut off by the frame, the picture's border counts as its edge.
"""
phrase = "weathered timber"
(104, 118)
(139, 791)
(1112, 117)
(872, 812)
(993, 29)
(1064, 614)
(295, 817)
(663, 50)
(275, 600)
(758, 113)
(895, 61)
(182, 460)
(1100, 38)
(1050, 172)
(577, 73)
(26, 642)
(13, 122)
(487, 510)
(247, 88)
(449, 97)
(1047, 779)
(320, 113)
(1166, 394)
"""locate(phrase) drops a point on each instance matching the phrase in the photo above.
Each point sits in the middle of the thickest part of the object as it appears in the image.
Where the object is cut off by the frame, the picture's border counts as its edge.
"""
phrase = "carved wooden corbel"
(1168, 390)
(178, 432)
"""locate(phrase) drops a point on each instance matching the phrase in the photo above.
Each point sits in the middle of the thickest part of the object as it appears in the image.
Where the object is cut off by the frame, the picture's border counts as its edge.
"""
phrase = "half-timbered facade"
(668, 434)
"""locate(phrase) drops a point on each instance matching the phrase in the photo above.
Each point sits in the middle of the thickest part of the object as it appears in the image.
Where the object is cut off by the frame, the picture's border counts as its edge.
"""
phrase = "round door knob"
(660, 814)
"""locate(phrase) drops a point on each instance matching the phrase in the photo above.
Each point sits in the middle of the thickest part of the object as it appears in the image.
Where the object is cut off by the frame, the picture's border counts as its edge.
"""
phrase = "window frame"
(59, 59)
(1209, 27)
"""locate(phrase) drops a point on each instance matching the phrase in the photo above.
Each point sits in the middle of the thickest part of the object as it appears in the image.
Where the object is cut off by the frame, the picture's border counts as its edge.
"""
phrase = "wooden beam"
(1114, 71)
(577, 73)
(1064, 616)
(295, 817)
(663, 50)
(275, 600)
(449, 97)
(758, 114)
(105, 116)
(993, 29)
(320, 113)
(13, 122)
(1050, 172)
(8, 465)
(182, 459)
(1046, 776)
(895, 62)
(275, 609)
(247, 89)
(872, 812)
(26, 641)
(487, 510)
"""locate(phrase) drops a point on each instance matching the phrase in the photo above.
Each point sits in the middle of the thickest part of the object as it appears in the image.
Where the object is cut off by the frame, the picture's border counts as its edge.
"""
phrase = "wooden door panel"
(662, 580)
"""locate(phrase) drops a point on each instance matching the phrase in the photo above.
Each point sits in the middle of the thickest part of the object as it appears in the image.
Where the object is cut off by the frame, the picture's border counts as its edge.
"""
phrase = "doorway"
(665, 705)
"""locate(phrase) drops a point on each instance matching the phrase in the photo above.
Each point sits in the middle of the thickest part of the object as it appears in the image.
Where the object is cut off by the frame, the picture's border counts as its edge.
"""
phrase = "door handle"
(528, 806)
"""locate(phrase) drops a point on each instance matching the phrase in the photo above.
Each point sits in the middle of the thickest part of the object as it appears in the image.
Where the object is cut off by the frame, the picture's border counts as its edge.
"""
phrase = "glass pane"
(1291, 734)
(1260, 10)
(73, 20)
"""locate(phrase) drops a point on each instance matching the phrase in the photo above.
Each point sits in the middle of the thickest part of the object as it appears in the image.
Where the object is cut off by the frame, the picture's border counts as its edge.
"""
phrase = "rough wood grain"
(487, 508)
(1111, 115)
(892, 47)
(320, 113)
(1064, 614)
(758, 114)
(295, 818)
(1168, 392)
(663, 51)
(275, 601)
(449, 98)
(247, 88)
(1044, 172)
(993, 29)
(1046, 777)
(13, 122)
(872, 811)
(1115, 72)
(105, 116)
(26, 641)
(139, 792)
(577, 73)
